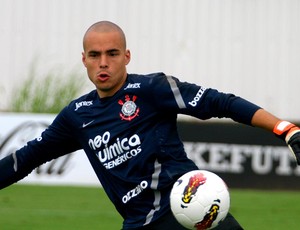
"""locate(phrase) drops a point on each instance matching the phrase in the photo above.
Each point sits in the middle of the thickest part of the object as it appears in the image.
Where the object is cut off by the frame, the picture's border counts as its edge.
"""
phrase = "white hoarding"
(71, 169)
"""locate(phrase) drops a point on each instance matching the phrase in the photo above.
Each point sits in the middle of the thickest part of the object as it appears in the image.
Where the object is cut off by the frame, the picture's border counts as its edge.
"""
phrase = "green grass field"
(57, 207)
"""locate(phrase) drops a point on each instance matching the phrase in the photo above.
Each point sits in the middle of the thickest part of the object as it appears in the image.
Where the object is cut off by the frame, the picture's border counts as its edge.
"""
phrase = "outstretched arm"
(57, 140)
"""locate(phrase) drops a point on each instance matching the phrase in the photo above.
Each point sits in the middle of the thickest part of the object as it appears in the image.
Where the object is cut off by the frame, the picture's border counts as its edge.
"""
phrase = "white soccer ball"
(199, 200)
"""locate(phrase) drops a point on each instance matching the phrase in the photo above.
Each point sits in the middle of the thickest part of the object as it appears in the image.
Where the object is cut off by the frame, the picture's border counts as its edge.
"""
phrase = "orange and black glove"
(290, 133)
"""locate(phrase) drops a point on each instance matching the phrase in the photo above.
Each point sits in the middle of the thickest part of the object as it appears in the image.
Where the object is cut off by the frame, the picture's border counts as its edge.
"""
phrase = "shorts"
(168, 221)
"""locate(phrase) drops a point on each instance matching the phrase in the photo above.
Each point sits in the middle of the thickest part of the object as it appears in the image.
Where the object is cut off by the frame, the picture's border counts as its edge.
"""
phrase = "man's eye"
(113, 53)
(93, 54)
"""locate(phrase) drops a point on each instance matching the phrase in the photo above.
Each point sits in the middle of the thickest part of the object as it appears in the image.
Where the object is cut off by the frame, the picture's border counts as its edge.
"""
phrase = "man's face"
(105, 58)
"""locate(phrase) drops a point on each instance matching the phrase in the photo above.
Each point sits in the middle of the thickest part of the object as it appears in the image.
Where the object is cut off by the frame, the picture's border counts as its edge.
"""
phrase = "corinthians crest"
(129, 109)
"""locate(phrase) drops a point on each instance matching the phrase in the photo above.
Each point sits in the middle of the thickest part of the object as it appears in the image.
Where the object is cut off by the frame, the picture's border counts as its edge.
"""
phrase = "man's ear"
(127, 56)
(83, 59)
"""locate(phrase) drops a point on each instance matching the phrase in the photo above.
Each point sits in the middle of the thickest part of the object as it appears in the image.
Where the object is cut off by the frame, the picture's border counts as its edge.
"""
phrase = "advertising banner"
(245, 157)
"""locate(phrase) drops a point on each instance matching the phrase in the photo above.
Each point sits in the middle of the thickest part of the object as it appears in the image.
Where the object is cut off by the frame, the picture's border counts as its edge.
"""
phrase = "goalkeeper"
(127, 128)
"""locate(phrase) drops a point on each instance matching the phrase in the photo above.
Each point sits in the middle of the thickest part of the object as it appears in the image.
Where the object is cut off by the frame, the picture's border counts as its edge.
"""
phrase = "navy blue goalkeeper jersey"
(131, 139)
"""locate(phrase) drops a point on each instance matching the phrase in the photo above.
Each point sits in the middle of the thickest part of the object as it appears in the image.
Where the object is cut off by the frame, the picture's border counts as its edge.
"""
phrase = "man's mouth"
(103, 76)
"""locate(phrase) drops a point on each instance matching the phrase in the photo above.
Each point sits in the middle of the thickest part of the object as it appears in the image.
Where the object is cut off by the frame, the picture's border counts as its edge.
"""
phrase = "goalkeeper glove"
(291, 134)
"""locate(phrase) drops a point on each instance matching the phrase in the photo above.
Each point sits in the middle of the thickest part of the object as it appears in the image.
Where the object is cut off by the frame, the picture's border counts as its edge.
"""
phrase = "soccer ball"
(199, 200)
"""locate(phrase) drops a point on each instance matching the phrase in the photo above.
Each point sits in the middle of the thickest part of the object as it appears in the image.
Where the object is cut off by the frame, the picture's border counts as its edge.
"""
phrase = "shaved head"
(105, 57)
(105, 27)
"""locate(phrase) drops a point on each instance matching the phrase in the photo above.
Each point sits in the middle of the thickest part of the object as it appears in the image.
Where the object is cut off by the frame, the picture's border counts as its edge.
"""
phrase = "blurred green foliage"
(46, 94)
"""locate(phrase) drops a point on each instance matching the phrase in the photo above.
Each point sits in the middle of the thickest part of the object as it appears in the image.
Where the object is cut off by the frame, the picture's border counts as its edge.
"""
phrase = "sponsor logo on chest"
(112, 153)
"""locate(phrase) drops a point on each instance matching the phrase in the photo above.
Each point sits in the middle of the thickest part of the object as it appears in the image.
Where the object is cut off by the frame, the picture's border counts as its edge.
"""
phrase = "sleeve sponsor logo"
(198, 96)
(82, 103)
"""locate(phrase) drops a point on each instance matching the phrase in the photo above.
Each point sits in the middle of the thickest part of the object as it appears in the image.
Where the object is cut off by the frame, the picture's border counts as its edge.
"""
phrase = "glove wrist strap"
(282, 127)
(285, 129)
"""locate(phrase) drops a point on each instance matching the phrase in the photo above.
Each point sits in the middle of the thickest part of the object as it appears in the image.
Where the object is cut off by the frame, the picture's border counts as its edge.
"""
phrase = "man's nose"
(103, 62)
